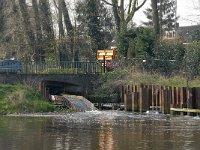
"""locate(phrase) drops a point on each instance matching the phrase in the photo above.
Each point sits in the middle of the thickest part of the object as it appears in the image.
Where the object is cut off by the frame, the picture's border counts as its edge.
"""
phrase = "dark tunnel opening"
(59, 88)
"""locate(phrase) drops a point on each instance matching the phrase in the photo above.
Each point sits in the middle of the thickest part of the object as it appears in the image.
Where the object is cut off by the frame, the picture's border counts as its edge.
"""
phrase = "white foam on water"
(152, 112)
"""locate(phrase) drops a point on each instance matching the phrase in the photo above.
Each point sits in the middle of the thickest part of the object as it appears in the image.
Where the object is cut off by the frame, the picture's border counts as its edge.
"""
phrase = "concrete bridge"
(52, 78)
(51, 84)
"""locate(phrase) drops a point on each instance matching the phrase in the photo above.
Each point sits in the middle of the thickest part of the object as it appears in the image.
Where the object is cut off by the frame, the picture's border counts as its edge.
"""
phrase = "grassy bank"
(20, 99)
(128, 76)
(109, 84)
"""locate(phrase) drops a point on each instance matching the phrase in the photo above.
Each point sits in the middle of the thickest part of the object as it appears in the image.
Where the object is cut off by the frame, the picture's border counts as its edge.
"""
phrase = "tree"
(161, 15)
(168, 56)
(95, 24)
(47, 30)
(63, 56)
(39, 56)
(13, 38)
(1, 16)
(155, 16)
(141, 42)
(123, 18)
(192, 59)
(27, 26)
(69, 27)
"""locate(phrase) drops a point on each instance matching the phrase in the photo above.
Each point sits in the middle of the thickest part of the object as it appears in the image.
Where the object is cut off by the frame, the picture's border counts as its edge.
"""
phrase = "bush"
(192, 59)
(168, 57)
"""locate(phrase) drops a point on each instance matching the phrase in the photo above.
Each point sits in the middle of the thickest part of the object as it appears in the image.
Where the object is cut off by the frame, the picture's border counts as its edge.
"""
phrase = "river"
(99, 130)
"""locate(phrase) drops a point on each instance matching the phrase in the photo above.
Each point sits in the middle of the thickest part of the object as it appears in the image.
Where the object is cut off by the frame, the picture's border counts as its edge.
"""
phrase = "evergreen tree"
(93, 17)
(93, 24)
(166, 13)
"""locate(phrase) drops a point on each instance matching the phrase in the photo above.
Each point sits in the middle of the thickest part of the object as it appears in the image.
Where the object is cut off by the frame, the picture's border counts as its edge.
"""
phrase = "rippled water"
(99, 130)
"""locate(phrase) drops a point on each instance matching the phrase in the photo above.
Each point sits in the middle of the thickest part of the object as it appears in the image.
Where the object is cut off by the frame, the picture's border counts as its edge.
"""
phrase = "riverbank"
(108, 86)
(22, 99)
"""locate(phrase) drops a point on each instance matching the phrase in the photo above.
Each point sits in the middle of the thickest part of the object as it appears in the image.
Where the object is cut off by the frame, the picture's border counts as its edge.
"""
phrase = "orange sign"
(108, 54)
(106, 57)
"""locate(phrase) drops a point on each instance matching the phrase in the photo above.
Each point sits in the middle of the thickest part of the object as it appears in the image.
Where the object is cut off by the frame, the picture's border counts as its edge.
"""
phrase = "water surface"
(99, 130)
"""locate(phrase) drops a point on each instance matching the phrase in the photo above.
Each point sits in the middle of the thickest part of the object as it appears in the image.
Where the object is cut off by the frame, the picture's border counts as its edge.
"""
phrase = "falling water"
(80, 103)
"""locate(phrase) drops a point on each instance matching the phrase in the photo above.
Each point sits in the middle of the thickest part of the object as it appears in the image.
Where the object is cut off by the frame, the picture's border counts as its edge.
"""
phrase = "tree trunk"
(39, 56)
(62, 46)
(116, 16)
(1, 16)
(69, 27)
(47, 30)
(122, 19)
(27, 25)
(155, 16)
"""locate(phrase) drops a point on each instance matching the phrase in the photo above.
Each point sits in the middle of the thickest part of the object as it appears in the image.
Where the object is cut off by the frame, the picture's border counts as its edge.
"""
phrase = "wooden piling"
(166, 100)
(198, 97)
(135, 98)
(143, 98)
(157, 99)
(135, 101)
(122, 94)
(140, 98)
(161, 98)
(128, 99)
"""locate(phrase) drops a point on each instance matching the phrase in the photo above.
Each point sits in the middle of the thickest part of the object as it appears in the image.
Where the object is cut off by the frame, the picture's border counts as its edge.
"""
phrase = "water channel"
(99, 130)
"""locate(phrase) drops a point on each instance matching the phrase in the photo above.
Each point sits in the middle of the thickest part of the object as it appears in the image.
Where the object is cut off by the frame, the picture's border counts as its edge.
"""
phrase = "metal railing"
(66, 67)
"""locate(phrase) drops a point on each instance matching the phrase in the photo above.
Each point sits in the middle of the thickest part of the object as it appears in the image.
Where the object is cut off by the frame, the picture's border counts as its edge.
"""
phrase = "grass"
(109, 85)
(60, 70)
(129, 76)
(20, 99)
(155, 79)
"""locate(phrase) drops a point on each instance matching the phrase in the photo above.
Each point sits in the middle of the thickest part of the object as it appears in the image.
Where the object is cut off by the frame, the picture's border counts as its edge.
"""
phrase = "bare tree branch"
(55, 4)
(107, 2)
(140, 5)
(134, 9)
(129, 6)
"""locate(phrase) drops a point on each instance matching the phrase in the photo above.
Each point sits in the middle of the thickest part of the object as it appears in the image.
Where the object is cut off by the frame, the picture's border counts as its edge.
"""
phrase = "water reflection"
(110, 130)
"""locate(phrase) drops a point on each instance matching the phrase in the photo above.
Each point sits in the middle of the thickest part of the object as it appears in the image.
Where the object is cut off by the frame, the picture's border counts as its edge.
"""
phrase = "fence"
(61, 67)
(164, 99)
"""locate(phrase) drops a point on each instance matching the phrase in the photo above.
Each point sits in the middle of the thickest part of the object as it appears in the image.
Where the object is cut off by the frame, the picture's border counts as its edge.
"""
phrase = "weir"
(78, 103)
